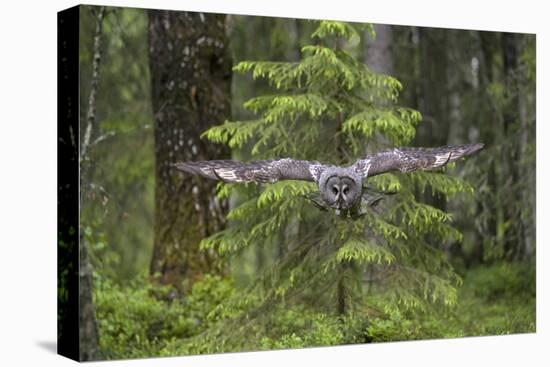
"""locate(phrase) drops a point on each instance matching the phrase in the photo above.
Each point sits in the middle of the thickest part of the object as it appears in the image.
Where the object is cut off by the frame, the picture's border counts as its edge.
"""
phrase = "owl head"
(340, 188)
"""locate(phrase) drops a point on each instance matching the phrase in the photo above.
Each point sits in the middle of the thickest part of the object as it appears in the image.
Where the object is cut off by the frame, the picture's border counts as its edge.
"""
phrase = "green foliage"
(328, 29)
(299, 329)
(503, 279)
(494, 300)
(363, 252)
(329, 107)
(139, 320)
(119, 190)
(396, 124)
(293, 327)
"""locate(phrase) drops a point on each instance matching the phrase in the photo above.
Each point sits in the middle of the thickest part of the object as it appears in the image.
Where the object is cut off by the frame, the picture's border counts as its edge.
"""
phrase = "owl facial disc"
(340, 191)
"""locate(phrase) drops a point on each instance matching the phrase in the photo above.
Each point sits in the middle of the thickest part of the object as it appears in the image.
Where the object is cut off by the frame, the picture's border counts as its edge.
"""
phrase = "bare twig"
(90, 115)
(102, 137)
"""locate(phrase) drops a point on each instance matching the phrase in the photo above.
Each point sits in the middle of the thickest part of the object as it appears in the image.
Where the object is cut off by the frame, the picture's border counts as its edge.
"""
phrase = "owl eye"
(346, 190)
(334, 190)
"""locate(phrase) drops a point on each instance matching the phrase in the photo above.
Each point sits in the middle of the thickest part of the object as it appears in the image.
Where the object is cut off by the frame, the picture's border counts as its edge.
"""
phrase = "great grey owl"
(340, 188)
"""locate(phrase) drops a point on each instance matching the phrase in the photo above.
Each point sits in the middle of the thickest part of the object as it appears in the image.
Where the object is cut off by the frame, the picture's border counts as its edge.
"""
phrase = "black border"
(68, 182)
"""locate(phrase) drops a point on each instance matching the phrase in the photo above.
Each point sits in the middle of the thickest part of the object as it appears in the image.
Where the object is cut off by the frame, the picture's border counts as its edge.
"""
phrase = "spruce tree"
(332, 108)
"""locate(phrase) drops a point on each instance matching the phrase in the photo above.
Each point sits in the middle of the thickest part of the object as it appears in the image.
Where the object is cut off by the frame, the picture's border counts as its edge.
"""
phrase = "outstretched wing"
(255, 171)
(412, 159)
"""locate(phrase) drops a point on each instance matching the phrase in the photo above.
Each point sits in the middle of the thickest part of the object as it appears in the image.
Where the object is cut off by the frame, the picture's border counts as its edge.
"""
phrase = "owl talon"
(317, 201)
(357, 213)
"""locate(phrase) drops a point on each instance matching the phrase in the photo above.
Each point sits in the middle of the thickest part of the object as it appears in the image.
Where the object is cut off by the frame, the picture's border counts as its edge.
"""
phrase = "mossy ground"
(137, 321)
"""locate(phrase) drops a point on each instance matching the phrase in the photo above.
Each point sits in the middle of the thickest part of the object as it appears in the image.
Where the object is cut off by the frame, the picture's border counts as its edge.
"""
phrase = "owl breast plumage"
(340, 187)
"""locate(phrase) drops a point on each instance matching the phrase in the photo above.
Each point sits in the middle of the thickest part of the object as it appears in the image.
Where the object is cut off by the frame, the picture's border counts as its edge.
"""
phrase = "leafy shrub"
(494, 300)
(295, 328)
(138, 320)
(503, 280)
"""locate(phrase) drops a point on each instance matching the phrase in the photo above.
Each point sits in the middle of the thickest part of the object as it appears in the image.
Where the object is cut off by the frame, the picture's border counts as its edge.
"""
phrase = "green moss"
(138, 321)
(494, 300)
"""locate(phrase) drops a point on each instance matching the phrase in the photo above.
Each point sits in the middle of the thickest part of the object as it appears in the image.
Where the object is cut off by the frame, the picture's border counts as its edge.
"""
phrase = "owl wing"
(411, 159)
(255, 171)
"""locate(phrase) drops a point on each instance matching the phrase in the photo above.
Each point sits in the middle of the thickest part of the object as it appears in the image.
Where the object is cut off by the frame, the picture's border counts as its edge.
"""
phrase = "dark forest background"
(169, 272)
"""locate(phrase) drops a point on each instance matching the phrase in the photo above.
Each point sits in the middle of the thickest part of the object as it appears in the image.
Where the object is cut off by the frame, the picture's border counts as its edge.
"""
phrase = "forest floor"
(495, 300)
(134, 323)
(499, 300)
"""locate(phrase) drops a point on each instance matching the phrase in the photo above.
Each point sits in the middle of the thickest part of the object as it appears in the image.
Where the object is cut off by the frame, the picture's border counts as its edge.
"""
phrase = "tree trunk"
(190, 68)
(528, 190)
(489, 136)
(513, 238)
(433, 99)
(88, 334)
(433, 45)
(341, 292)
(89, 349)
(378, 51)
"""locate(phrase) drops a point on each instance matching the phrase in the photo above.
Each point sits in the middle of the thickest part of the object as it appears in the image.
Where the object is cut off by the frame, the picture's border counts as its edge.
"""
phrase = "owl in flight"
(340, 188)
